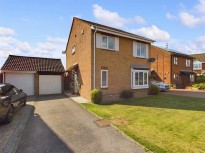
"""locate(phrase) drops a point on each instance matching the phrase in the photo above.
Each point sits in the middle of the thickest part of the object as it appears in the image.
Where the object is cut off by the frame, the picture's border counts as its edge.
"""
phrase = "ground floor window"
(192, 78)
(139, 79)
(176, 77)
(104, 79)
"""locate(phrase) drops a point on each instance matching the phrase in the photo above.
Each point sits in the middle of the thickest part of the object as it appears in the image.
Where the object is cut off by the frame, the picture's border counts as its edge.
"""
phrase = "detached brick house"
(199, 63)
(172, 67)
(35, 75)
(109, 59)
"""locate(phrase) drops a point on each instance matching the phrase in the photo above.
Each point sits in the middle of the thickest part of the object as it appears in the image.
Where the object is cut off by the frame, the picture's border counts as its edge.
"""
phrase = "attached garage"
(34, 75)
(50, 84)
(24, 81)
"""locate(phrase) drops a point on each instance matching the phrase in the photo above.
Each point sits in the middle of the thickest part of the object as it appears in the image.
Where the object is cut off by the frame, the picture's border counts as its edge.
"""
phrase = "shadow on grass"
(39, 137)
(166, 101)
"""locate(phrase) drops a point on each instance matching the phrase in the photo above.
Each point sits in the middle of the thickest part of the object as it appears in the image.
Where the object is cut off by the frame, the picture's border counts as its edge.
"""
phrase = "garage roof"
(25, 63)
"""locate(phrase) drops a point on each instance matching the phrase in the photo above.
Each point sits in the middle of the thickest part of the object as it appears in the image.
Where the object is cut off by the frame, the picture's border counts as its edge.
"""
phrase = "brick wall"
(119, 71)
(162, 64)
(80, 36)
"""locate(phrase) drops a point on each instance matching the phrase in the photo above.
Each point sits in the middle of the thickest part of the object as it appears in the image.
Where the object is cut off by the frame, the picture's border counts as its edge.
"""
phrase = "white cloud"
(194, 17)
(113, 18)
(200, 7)
(190, 20)
(52, 47)
(170, 16)
(152, 32)
(6, 31)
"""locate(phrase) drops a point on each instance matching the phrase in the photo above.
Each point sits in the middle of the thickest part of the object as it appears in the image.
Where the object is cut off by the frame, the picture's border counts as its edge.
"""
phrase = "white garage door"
(49, 84)
(23, 81)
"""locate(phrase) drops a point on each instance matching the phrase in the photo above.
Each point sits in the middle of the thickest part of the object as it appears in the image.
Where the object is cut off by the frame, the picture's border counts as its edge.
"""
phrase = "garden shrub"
(199, 86)
(96, 96)
(154, 90)
(126, 94)
(200, 79)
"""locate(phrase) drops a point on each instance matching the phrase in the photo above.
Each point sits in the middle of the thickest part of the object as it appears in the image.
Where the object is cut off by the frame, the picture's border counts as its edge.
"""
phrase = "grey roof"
(174, 52)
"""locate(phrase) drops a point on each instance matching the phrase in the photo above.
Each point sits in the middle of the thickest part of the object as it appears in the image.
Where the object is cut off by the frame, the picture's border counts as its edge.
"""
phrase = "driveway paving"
(60, 125)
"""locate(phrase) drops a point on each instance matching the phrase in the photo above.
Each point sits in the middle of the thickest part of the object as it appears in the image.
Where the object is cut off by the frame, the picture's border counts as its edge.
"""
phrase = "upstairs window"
(188, 62)
(175, 61)
(140, 50)
(73, 50)
(197, 66)
(108, 42)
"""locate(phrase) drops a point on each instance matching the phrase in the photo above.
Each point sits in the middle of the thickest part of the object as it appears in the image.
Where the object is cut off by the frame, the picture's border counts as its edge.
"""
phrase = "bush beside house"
(96, 96)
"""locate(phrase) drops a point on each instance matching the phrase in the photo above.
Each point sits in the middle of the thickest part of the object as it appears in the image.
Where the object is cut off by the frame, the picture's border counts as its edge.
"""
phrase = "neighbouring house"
(199, 63)
(172, 67)
(106, 58)
(34, 75)
(1, 77)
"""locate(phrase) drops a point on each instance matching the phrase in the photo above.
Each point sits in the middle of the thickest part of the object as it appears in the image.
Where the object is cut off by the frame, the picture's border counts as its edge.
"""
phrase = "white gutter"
(94, 50)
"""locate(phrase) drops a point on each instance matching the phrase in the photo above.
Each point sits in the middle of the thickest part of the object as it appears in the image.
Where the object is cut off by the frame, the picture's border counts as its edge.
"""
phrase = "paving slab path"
(60, 125)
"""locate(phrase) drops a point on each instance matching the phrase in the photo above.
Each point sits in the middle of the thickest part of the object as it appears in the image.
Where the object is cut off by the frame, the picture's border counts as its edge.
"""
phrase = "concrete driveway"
(60, 125)
(10, 134)
(186, 92)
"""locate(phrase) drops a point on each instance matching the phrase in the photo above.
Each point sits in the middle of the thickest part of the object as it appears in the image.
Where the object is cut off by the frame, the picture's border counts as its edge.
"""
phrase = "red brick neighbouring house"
(199, 63)
(109, 59)
(172, 67)
(35, 75)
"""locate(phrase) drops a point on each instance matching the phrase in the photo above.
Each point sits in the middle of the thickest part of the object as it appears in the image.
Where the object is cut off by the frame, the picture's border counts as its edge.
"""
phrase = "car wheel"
(24, 102)
(9, 116)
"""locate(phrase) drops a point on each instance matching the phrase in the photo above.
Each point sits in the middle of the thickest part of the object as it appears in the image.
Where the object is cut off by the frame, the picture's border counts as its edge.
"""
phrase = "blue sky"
(41, 27)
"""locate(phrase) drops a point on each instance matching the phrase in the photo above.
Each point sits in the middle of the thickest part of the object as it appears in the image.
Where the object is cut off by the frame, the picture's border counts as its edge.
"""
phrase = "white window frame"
(199, 66)
(101, 85)
(73, 50)
(136, 46)
(188, 63)
(192, 78)
(133, 85)
(107, 42)
(175, 60)
(176, 77)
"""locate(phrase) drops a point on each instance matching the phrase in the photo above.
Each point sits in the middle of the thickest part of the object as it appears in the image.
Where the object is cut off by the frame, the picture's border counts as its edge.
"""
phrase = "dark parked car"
(11, 99)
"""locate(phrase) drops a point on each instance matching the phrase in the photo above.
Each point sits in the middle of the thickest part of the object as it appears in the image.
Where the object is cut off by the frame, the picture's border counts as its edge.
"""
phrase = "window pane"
(104, 78)
(143, 50)
(145, 78)
(138, 50)
(104, 42)
(111, 43)
(140, 78)
(136, 78)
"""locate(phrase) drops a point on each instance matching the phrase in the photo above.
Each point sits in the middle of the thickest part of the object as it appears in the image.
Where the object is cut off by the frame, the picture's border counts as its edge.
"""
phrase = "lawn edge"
(116, 128)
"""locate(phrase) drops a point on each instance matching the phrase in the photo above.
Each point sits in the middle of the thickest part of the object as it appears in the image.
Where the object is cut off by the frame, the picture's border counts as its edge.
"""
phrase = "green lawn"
(163, 123)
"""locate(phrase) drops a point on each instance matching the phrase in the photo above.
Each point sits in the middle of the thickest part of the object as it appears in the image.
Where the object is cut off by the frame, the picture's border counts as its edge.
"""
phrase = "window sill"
(139, 87)
(104, 87)
(140, 57)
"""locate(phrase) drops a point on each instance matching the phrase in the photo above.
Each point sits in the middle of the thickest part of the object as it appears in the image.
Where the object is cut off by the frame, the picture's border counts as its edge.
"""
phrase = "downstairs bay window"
(139, 79)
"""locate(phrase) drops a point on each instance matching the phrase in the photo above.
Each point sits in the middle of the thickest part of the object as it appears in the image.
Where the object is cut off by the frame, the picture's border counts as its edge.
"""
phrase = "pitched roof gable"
(24, 63)
(200, 57)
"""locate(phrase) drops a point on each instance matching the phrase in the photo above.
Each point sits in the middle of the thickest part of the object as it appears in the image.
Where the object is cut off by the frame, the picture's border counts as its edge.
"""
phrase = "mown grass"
(163, 123)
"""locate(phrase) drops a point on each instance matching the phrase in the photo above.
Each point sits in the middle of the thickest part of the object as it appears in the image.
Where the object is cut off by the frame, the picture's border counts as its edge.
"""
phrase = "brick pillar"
(36, 84)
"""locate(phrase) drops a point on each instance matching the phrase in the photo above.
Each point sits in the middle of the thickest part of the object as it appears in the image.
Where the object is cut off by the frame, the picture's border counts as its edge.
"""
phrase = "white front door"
(24, 81)
(50, 84)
